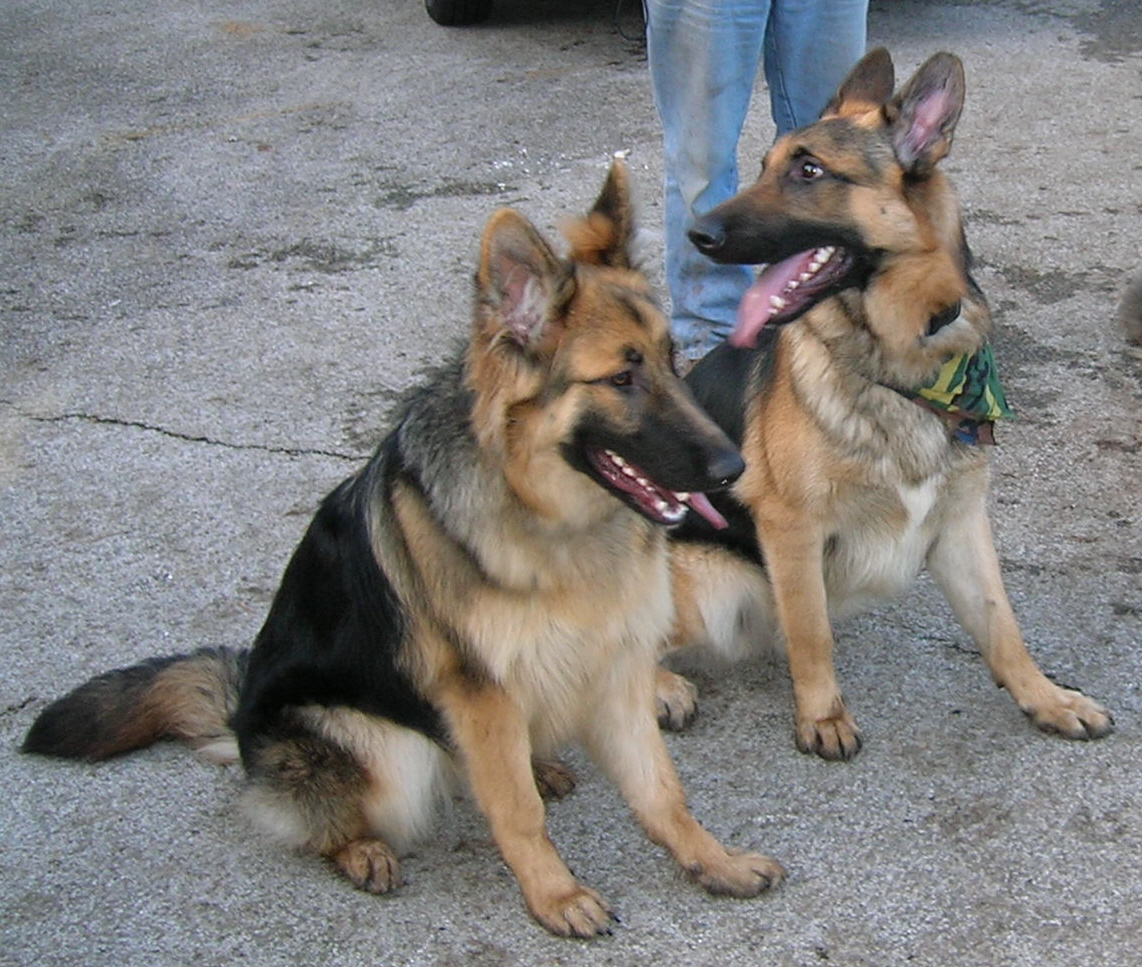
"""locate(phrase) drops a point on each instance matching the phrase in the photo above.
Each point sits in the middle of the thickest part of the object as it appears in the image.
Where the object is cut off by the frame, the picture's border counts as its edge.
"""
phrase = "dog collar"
(967, 395)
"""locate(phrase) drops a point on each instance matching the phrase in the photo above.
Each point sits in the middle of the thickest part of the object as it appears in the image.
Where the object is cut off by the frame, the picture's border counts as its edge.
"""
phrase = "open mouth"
(786, 289)
(653, 501)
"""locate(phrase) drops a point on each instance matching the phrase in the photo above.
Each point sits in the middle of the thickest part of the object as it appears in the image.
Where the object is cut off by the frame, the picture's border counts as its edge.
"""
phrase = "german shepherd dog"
(851, 486)
(495, 582)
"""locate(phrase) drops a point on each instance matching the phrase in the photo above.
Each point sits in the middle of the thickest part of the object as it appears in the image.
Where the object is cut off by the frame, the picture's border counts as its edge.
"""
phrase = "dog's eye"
(623, 379)
(810, 169)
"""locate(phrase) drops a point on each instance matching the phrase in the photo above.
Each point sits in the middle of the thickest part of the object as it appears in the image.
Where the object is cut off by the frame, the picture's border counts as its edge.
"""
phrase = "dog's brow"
(636, 303)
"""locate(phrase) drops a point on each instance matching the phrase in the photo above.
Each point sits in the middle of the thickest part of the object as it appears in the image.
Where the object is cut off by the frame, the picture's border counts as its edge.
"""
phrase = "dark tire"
(458, 13)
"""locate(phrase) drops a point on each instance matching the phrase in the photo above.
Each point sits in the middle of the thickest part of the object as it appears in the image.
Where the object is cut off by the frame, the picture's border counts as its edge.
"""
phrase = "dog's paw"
(369, 864)
(739, 874)
(833, 737)
(553, 779)
(1071, 714)
(580, 913)
(675, 700)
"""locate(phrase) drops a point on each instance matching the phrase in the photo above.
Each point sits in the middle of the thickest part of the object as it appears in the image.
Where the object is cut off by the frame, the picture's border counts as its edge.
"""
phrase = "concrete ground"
(231, 231)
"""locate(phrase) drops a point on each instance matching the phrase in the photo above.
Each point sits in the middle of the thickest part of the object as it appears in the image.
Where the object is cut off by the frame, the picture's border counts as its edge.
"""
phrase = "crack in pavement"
(176, 435)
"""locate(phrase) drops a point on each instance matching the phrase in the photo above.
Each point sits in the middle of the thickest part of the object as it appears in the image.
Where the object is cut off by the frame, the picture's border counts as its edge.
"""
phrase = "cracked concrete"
(174, 435)
(231, 233)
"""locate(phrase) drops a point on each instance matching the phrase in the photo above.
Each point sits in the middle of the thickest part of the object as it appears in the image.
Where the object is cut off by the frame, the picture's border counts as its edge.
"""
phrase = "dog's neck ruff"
(945, 317)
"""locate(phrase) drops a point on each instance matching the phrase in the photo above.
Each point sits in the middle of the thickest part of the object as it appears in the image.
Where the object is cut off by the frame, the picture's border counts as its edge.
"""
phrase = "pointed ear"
(603, 236)
(868, 86)
(923, 115)
(521, 284)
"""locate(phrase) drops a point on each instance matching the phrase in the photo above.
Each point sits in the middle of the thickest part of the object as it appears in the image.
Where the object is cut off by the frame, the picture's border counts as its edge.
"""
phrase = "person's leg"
(703, 57)
(809, 48)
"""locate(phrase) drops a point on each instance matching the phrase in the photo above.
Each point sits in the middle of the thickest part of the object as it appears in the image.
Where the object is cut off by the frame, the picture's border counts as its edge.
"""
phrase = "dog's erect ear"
(923, 115)
(603, 236)
(522, 285)
(868, 86)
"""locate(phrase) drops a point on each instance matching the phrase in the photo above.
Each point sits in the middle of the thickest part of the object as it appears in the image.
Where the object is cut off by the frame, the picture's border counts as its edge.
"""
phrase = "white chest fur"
(881, 544)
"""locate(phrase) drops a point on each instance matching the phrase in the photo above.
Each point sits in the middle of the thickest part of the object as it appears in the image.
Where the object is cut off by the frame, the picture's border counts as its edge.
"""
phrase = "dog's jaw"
(659, 504)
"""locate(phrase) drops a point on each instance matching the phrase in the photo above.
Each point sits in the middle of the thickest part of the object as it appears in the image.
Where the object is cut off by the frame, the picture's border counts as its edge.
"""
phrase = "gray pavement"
(230, 232)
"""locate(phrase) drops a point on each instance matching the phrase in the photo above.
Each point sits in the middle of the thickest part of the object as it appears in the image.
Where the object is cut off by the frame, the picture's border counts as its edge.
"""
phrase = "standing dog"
(859, 385)
(492, 584)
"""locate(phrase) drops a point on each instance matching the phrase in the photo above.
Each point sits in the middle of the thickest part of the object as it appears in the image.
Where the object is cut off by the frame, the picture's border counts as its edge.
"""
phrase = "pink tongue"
(700, 504)
(754, 310)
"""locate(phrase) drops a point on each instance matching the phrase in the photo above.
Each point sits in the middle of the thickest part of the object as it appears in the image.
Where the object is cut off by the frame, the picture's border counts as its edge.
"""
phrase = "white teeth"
(805, 277)
(792, 284)
(681, 497)
(777, 302)
(642, 481)
(618, 461)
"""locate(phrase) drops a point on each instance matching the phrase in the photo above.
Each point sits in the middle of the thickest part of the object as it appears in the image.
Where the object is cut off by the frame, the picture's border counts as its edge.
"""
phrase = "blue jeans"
(704, 57)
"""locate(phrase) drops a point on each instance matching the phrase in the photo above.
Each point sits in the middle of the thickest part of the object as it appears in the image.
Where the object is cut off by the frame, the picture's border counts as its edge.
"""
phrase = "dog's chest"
(881, 540)
(555, 646)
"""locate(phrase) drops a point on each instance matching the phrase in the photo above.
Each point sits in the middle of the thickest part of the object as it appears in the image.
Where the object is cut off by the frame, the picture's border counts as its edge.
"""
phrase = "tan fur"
(536, 610)
(493, 585)
(853, 488)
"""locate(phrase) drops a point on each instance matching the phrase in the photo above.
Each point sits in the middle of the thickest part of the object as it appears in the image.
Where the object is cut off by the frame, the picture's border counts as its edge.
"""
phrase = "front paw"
(579, 913)
(834, 736)
(739, 874)
(675, 700)
(1071, 714)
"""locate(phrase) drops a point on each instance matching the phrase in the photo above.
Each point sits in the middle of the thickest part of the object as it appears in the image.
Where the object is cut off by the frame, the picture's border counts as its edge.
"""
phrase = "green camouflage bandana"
(966, 394)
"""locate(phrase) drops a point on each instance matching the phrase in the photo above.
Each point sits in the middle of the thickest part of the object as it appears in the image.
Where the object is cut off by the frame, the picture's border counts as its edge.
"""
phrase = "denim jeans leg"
(809, 48)
(703, 57)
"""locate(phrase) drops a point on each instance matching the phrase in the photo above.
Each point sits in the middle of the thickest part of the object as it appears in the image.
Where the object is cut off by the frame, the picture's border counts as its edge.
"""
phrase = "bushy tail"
(185, 697)
(1130, 311)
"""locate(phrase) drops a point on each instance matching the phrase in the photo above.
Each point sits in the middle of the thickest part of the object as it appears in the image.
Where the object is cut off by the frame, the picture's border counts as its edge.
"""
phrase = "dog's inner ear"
(603, 236)
(923, 115)
(520, 280)
(868, 86)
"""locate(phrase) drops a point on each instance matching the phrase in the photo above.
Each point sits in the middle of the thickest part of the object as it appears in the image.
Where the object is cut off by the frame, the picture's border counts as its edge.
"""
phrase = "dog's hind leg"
(965, 565)
(722, 604)
(675, 700)
(347, 786)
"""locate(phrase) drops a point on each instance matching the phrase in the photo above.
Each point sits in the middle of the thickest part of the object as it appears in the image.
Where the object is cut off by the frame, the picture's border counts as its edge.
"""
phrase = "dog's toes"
(581, 913)
(834, 738)
(369, 864)
(1072, 715)
(553, 779)
(739, 874)
(675, 700)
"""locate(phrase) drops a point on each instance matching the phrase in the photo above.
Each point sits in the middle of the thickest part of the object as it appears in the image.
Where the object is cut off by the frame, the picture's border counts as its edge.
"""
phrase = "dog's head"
(571, 367)
(852, 201)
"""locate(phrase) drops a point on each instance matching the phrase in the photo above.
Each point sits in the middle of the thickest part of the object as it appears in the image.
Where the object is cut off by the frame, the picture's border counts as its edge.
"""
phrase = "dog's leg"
(794, 553)
(623, 737)
(310, 793)
(492, 736)
(965, 565)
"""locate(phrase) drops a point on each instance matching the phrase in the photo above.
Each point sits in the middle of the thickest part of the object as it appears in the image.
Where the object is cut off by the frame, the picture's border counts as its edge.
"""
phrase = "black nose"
(708, 235)
(725, 467)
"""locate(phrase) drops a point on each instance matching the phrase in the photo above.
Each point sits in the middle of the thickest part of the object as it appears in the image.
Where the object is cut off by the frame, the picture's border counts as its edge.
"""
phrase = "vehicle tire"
(458, 13)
